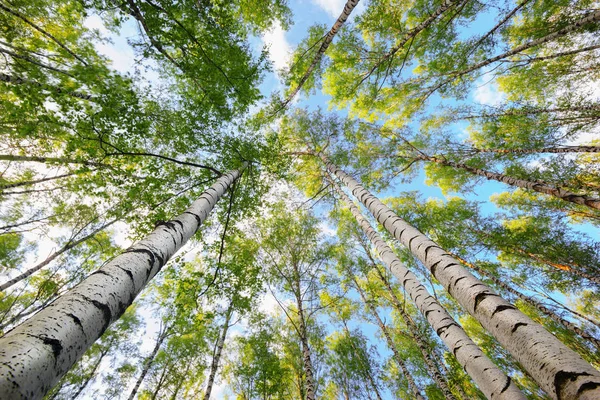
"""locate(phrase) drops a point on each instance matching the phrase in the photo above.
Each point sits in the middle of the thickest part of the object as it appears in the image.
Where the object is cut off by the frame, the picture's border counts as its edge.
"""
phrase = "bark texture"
(537, 186)
(34, 355)
(555, 150)
(214, 366)
(533, 302)
(412, 386)
(488, 377)
(559, 371)
(430, 364)
(350, 4)
(309, 379)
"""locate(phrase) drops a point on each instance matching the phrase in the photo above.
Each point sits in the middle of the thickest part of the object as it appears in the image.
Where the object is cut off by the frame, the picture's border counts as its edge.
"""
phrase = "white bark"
(214, 366)
(34, 355)
(488, 377)
(559, 371)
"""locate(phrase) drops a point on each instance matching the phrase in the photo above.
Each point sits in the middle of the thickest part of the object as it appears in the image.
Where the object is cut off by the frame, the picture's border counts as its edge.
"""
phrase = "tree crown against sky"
(358, 199)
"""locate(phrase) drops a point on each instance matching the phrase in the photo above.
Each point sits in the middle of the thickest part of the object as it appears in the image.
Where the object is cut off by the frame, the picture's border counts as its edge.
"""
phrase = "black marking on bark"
(506, 385)
(562, 378)
(543, 366)
(456, 281)
(455, 350)
(587, 386)
(410, 241)
(479, 298)
(503, 307)
(441, 330)
(101, 272)
(54, 344)
(433, 268)
(77, 321)
(144, 251)
(427, 250)
(129, 274)
(104, 309)
(517, 326)
(198, 219)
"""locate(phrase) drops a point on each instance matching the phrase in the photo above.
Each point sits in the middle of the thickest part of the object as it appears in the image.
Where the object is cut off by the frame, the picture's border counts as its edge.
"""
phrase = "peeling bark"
(34, 355)
(490, 379)
(559, 371)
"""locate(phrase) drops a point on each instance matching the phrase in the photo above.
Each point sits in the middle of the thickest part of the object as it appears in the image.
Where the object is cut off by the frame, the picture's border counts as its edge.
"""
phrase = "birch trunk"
(91, 375)
(423, 347)
(19, 81)
(490, 379)
(591, 18)
(534, 303)
(412, 386)
(350, 4)
(34, 355)
(411, 34)
(217, 356)
(307, 363)
(559, 371)
(148, 362)
(554, 150)
(53, 256)
(49, 160)
(540, 187)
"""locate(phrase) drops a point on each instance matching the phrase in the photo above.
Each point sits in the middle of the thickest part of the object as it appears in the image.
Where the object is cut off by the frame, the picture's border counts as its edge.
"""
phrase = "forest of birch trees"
(411, 211)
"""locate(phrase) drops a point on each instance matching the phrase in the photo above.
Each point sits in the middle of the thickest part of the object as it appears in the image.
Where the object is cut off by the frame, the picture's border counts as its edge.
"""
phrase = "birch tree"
(92, 306)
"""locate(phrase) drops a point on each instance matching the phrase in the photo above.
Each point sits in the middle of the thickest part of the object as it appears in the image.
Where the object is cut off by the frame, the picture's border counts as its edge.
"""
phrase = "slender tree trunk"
(563, 267)
(36, 181)
(591, 18)
(538, 186)
(91, 375)
(148, 362)
(440, 362)
(490, 379)
(412, 386)
(163, 376)
(53, 256)
(19, 81)
(498, 25)
(218, 349)
(534, 303)
(411, 34)
(48, 160)
(556, 150)
(34, 355)
(307, 363)
(350, 4)
(180, 383)
(559, 371)
(414, 334)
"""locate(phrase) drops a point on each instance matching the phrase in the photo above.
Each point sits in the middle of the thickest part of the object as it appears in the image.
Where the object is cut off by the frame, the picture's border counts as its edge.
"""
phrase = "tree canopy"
(299, 200)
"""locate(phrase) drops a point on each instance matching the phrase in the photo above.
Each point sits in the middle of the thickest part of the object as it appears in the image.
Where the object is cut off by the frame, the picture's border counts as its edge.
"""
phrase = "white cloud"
(332, 7)
(280, 51)
(335, 7)
(487, 93)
